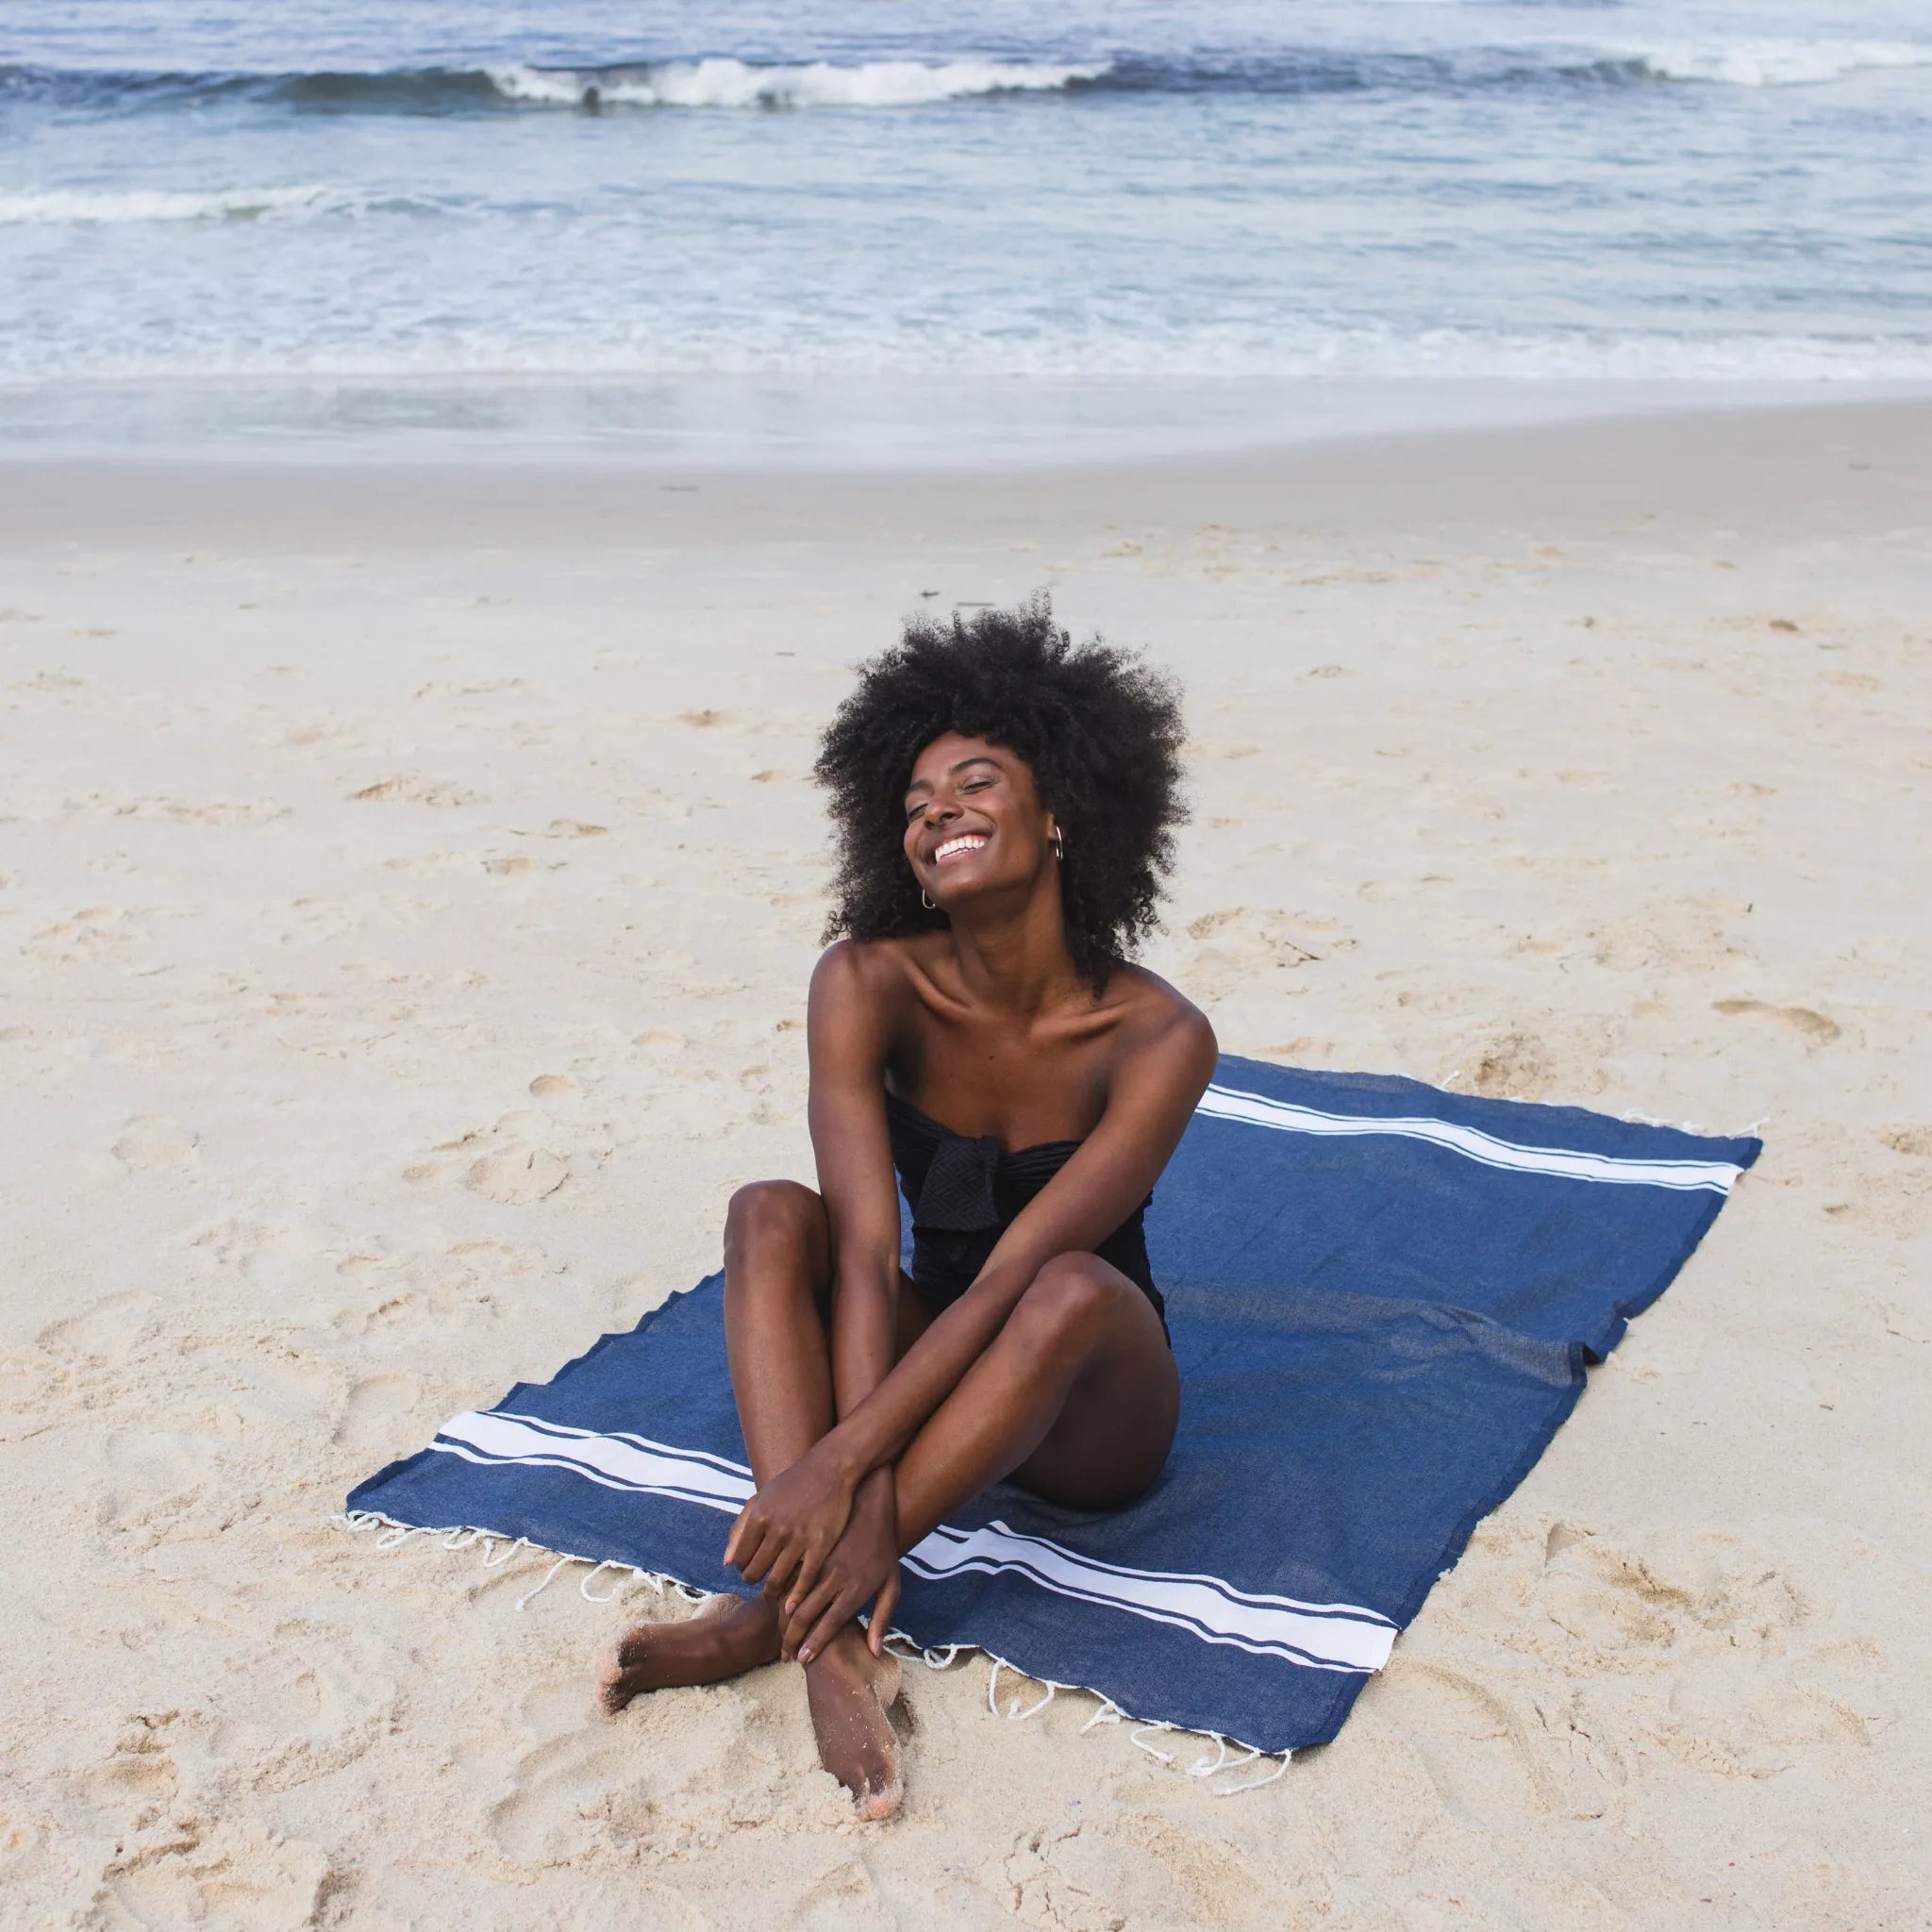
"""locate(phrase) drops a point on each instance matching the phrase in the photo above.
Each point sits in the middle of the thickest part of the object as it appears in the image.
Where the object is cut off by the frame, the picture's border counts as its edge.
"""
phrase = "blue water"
(584, 220)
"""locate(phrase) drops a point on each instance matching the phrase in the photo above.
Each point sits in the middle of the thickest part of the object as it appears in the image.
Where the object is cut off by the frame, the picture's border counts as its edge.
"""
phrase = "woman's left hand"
(785, 1533)
(863, 1565)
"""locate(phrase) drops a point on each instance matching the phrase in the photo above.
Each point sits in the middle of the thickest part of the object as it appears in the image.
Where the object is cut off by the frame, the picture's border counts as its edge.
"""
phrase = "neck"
(1014, 955)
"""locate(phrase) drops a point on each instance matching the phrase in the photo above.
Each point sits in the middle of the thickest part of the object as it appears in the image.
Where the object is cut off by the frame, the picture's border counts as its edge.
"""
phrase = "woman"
(1004, 804)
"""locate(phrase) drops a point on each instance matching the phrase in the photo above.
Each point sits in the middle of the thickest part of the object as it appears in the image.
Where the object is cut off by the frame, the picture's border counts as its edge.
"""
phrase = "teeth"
(970, 843)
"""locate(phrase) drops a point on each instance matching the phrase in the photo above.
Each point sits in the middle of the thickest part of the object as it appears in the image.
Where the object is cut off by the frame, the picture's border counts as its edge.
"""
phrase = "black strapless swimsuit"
(964, 1193)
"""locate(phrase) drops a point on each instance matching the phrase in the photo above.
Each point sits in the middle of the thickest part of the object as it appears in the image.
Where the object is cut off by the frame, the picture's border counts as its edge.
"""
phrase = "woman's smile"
(961, 845)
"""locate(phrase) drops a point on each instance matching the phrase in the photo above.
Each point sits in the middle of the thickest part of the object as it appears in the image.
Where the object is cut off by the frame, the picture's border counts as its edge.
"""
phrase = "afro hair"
(1101, 730)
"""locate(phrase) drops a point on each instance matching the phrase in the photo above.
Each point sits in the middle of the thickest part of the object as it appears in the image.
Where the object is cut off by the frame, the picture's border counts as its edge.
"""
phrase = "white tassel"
(1140, 1743)
(1255, 1784)
(1015, 1715)
(584, 1586)
(1109, 1713)
(531, 1596)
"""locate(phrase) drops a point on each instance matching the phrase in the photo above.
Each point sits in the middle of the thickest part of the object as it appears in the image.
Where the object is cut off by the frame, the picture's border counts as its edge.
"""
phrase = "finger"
(843, 1608)
(747, 1533)
(791, 1588)
(811, 1566)
(759, 1557)
(731, 1542)
(798, 1622)
(881, 1625)
(781, 1578)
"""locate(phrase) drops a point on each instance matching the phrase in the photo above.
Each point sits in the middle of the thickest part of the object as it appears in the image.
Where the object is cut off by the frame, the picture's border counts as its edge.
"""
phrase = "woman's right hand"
(783, 1536)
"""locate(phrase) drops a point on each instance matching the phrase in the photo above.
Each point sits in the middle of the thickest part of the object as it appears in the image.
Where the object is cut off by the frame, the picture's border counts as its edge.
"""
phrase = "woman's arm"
(847, 1028)
(1162, 1073)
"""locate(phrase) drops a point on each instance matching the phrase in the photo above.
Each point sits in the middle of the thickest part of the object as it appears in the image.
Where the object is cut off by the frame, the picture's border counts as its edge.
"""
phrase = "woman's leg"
(777, 1276)
(778, 1290)
(1076, 1399)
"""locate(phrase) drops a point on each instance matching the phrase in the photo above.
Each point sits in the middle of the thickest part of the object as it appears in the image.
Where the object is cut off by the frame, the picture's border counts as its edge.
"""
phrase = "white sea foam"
(1203, 355)
(60, 206)
(727, 83)
(1775, 64)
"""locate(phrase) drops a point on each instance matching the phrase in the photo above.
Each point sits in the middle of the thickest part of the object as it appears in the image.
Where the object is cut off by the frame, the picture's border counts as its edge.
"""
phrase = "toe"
(875, 1802)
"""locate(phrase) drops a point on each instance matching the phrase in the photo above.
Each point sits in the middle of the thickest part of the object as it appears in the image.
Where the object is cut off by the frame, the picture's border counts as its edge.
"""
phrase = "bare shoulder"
(1160, 1018)
(860, 972)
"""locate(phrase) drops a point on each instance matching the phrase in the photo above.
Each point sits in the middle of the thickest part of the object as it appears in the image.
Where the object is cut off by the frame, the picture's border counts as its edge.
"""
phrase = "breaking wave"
(1776, 63)
(725, 82)
(728, 83)
(73, 206)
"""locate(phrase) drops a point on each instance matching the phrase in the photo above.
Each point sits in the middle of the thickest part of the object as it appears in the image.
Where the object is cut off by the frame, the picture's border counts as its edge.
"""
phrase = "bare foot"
(850, 1691)
(728, 1636)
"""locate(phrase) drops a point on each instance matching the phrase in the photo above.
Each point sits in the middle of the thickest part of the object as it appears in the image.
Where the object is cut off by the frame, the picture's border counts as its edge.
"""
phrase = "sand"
(407, 882)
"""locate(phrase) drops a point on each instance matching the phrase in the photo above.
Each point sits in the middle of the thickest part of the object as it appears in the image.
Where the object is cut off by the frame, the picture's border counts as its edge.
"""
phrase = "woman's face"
(974, 820)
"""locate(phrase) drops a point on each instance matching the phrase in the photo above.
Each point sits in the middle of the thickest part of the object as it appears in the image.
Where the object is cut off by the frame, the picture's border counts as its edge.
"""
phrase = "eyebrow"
(978, 757)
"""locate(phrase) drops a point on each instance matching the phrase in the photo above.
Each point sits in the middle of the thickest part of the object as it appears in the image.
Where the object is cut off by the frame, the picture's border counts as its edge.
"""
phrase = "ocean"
(887, 230)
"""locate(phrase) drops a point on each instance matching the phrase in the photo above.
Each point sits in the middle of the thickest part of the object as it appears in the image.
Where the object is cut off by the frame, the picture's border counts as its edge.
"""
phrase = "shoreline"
(1808, 466)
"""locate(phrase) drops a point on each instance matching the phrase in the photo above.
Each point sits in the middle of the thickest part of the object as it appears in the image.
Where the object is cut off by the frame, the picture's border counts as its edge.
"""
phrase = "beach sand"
(409, 879)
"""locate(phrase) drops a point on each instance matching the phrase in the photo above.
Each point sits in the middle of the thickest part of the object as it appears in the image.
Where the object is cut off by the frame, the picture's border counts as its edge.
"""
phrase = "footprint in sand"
(155, 1140)
(418, 791)
(1472, 1743)
(1734, 1718)
(844, 1899)
(518, 1175)
(509, 1164)
(569, 1793)
(109, 1327)
(375, 1403)
(1817, 1027)
(141, 1777)
(305, 1711)
(235, 1876)
(1041, 1891)
(1149, 1868)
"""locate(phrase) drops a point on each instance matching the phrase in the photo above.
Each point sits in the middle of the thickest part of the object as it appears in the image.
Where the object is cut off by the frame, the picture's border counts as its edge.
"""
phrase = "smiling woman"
(1004, 802)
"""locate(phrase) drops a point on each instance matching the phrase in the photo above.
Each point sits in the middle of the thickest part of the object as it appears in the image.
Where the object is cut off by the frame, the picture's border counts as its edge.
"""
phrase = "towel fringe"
(531, 1596)
(941, 1659)
(1109, 1713)
(584, 1583)
(496, 1550)
(1138, 1739)
(1255, 1784)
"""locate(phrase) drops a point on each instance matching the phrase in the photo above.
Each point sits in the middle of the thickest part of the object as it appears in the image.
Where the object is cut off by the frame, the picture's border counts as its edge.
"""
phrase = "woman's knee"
(1074, 1293)
(765, 1212)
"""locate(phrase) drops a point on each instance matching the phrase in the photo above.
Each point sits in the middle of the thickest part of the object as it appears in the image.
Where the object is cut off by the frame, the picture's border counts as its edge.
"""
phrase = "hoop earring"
(926, 900)
(1060, 843)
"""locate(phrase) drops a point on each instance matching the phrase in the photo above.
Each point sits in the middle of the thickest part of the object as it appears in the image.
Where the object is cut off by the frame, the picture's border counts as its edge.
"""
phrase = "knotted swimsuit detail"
(964, 1193)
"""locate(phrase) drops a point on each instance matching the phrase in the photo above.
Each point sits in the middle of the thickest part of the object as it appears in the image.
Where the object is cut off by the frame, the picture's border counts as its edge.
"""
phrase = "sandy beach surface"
(409, 879)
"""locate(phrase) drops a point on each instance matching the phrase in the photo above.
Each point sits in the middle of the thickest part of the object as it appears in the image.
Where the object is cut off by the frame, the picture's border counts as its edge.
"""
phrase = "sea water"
(897, 229)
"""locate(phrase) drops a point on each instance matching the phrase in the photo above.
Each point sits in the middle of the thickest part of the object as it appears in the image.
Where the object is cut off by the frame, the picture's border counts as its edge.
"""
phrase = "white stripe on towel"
(618, 1462)
(1326, 1637)
(1258, 1110)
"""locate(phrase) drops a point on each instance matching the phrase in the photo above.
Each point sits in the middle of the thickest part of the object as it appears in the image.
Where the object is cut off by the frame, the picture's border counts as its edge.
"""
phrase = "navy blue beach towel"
(1383, 1298)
